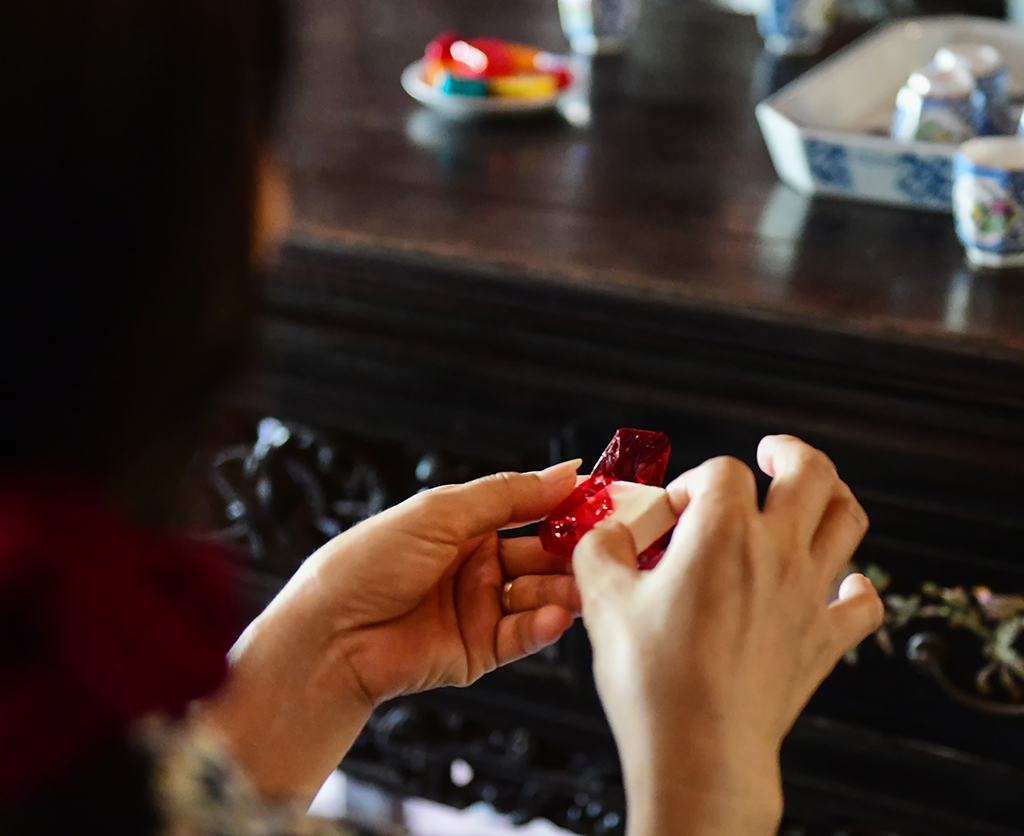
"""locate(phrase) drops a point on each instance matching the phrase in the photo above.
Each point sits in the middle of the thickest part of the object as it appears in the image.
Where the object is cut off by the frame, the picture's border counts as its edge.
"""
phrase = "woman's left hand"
(426, 594)
(420, 596)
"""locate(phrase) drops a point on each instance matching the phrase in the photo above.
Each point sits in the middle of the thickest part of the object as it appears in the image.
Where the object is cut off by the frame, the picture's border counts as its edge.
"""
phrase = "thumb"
(460, 512)
(604, 563)
(856, 614)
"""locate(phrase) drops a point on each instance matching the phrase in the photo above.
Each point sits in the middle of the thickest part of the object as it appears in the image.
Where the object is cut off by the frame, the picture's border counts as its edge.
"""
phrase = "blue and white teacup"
(988, 200)
(988, 69)
(936, 106)
(795, 27)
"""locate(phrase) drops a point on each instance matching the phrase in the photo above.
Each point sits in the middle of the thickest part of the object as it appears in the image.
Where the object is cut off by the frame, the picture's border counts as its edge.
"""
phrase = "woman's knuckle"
(854, 511)
(878, 616)
(816, 464)
(860, 516)
(504, 482)
(858, 521)
(730, 472)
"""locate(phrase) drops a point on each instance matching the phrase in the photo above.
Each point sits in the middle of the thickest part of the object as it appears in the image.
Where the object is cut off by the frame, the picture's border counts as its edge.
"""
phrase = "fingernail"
(560, 472)
(854, 584)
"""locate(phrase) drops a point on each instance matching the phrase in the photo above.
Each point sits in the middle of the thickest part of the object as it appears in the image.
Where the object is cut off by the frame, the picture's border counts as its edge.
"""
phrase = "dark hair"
(127, 165)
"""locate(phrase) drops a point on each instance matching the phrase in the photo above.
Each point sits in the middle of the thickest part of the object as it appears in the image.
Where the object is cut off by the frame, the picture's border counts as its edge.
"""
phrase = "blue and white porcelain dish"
(827, 131)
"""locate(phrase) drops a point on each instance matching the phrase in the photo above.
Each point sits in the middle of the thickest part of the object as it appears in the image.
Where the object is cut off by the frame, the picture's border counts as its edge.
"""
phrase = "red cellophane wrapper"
(631, 456)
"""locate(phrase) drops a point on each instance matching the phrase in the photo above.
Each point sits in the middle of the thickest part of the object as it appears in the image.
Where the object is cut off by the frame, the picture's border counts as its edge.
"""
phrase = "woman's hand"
(424, 584)
(422, 595)
(704, 663)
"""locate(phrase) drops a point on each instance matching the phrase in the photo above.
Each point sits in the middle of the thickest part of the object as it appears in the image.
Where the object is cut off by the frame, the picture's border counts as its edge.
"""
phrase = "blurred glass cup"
(937, 106)
(988, 200)
(597, 27)
(795, 27)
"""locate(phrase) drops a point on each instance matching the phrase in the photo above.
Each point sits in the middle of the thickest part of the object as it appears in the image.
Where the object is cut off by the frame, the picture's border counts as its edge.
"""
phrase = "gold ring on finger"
(506, 597)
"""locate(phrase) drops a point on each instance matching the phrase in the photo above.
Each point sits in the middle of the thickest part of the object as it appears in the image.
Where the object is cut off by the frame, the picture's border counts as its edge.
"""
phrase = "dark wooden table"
(463, 297)
(668, 194)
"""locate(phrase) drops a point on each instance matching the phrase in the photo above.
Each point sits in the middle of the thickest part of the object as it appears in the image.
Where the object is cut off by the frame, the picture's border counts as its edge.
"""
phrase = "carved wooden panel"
(531, 739)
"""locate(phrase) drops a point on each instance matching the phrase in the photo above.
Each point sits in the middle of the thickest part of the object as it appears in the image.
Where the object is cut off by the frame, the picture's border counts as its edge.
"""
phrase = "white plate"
(827, 132)
(463, 107)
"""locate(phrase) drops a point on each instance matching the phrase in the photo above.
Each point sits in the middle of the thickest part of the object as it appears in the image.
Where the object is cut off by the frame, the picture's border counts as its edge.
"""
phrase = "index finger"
(486, 505)
(715, 496)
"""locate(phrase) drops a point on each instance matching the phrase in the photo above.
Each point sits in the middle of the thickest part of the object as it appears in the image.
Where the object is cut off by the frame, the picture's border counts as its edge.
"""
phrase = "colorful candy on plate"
(625, 485)
(492, 67)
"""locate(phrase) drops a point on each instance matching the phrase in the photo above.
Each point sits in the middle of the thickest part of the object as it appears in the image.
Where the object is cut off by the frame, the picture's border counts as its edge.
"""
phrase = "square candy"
(636, 457)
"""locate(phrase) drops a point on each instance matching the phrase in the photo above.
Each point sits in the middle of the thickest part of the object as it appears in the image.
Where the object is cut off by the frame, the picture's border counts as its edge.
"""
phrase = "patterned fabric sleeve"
(200, 791)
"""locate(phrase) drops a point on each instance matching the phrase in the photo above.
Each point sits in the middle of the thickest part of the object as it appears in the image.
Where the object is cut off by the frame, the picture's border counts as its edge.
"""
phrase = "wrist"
(686, 811)
(290, 708)
(702, 788)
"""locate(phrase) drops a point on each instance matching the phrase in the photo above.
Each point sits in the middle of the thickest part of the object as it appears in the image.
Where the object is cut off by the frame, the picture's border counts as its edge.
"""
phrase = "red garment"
(101, 622)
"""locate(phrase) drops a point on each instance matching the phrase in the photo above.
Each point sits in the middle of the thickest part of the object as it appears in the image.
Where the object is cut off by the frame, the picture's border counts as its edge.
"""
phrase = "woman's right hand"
(704, 663)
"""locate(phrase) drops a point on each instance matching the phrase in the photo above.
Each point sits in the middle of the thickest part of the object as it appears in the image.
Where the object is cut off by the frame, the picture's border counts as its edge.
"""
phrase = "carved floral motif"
(997, 620)
(291, 491)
